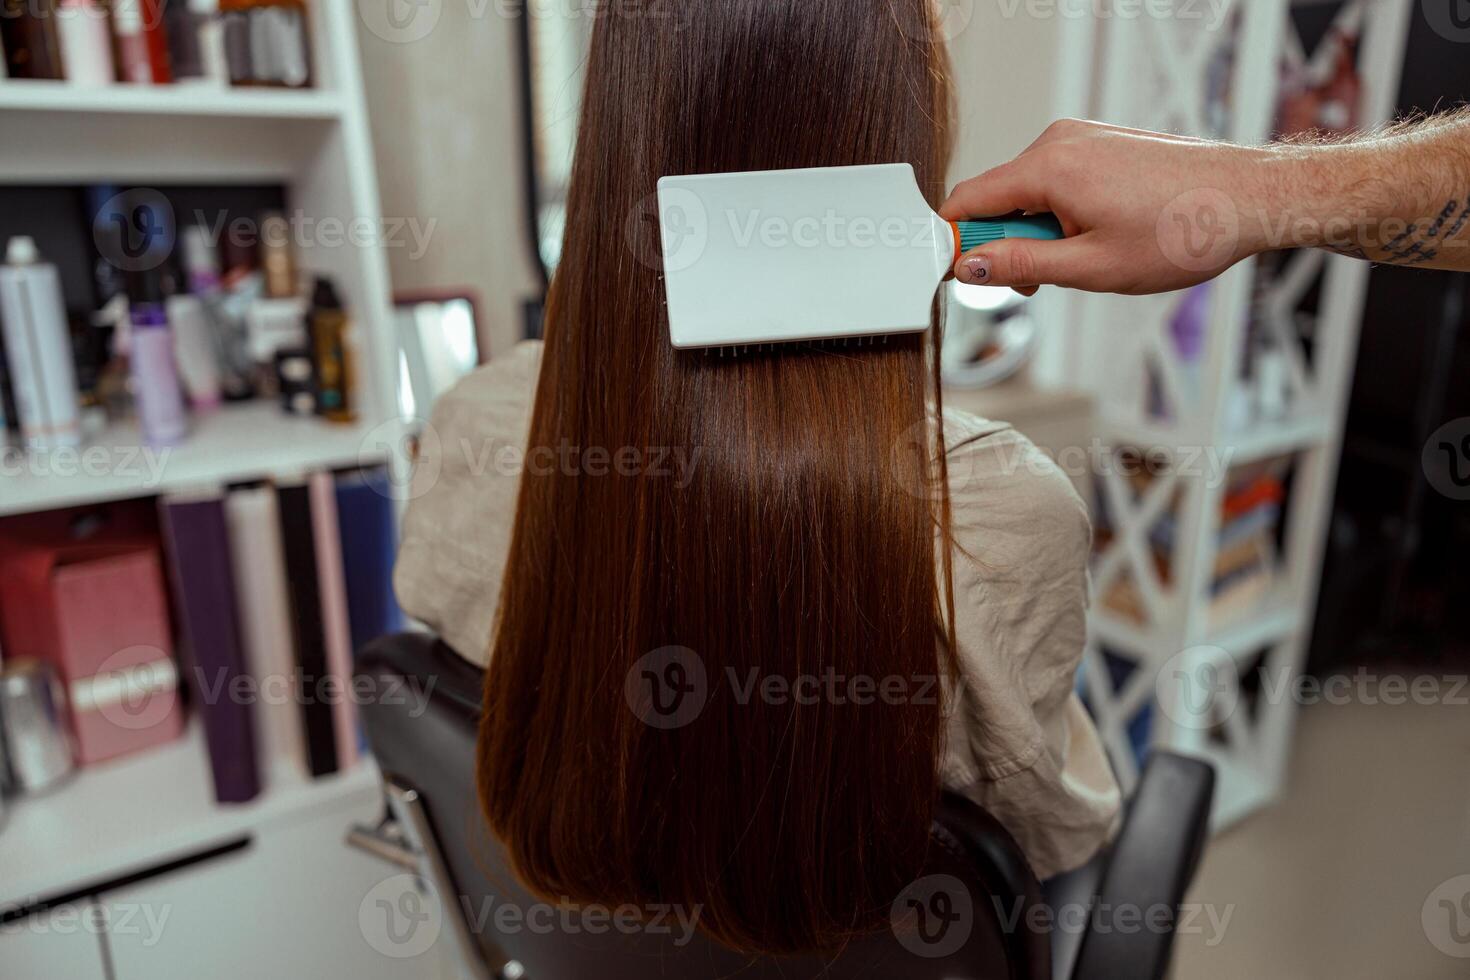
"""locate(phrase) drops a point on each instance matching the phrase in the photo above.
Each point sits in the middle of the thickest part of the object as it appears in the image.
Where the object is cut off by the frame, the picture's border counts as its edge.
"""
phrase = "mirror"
(557, 33)
(437, 347)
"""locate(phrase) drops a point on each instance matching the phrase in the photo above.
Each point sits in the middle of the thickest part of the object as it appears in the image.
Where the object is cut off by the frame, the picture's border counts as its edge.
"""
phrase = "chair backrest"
(966, 918)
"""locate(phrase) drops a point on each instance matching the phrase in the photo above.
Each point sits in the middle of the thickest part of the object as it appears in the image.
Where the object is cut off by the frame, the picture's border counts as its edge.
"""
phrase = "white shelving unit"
(250, 441)
(1187, 666)
(149, 809)
(137, 812)
(32, 97)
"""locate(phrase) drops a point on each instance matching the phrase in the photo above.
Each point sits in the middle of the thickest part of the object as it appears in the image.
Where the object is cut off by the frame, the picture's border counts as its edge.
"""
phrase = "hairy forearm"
(1151, 213)
(1400, 197)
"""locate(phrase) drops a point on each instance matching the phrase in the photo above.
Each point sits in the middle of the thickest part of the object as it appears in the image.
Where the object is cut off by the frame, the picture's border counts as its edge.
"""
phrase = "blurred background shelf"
(1242, 635)
(26, 96)
(145, 829)
(253, 440)
(121, 817)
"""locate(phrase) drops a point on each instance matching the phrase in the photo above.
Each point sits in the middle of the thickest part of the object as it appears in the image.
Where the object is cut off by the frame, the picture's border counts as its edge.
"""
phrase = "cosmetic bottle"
(38, 345)
(201, 269)
(296, 379)
(132, 43)
(185, 59)
(195, 350)
(278, 47)
(142, 42)
(234, 19)
(157, 35)
(330, 354)
(155, 378)
(276, 259)
(86, 42)
(267, 42)
(196, 42)
(228, 342)
(273, 325)
(29, 39)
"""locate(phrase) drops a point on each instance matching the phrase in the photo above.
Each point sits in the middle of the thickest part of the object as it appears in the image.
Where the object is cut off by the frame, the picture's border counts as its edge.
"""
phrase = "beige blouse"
(1019, 741)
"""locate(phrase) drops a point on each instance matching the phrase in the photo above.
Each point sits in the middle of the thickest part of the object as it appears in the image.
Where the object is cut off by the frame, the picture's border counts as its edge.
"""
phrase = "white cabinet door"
(64, 941)
(298, 902)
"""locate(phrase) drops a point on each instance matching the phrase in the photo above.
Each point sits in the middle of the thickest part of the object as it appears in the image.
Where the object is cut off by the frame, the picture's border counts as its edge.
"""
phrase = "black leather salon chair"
(978, 913)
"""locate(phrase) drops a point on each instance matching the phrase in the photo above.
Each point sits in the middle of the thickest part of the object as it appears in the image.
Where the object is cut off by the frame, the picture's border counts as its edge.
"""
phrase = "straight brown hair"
(809, 540)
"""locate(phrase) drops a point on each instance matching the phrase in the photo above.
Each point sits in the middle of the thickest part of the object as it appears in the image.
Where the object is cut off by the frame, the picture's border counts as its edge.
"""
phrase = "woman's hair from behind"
(769, 563)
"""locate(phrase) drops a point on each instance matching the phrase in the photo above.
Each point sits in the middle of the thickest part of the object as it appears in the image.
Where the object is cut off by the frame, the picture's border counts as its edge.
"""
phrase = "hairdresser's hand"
(1146, 213)
(1143, 212)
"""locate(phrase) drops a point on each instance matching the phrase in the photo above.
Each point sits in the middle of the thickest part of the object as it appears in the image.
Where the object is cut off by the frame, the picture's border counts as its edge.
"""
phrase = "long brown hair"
(789, 533)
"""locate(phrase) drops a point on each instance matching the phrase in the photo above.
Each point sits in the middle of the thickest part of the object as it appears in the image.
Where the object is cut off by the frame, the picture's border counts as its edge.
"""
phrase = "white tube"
(38, 346)
(86, 42)
(194, 350)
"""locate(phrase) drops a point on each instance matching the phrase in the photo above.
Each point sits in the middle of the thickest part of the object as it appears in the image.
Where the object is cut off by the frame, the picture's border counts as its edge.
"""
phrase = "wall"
(1014, 72)
(442, 101)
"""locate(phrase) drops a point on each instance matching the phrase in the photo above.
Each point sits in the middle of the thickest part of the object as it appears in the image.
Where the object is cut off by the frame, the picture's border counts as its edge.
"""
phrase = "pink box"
(116, 653)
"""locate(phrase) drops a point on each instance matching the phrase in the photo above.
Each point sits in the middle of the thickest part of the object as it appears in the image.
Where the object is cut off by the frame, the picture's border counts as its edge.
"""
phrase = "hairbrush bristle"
(778, 346)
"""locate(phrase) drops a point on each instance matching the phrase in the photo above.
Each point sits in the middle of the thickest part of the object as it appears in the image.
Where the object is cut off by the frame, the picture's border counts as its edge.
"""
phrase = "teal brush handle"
(973, 234)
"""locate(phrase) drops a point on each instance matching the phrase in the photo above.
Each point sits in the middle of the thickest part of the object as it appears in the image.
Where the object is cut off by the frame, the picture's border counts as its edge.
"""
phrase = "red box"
(95, 607)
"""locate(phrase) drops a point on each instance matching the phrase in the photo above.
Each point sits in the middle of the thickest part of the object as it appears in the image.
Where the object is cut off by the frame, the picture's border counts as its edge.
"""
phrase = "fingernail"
(974, 271)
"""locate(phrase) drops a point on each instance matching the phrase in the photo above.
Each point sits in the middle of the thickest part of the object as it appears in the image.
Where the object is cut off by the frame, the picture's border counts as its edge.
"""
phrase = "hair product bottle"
(196, 41)
(235, 35)
(28, 37)
(333, 360)
(266, 41)
(195, 350)
(142, 42)
(278, 44)
(38, 346)
(155, 379)
(85, 41)
(276, 259)
(295, 374)
(228, 341)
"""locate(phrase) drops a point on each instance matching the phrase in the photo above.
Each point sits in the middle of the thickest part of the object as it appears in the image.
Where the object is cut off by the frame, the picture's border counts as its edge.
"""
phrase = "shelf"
(253, 440)
(149, 134)
(1271, 622)
(168, 100)
(1242, 636)
(1260, 441)
(140, 811)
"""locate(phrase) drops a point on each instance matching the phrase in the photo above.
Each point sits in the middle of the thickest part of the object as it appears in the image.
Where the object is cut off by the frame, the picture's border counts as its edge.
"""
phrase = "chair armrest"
(1151, 866)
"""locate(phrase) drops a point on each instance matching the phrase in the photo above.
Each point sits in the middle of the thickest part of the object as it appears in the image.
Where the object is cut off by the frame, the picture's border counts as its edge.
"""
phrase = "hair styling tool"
(834, 253)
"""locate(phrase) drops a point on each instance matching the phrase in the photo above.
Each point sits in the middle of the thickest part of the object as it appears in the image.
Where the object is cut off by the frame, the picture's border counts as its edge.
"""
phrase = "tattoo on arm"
(1416, 245)
(1390, 176)
(1441, 231)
